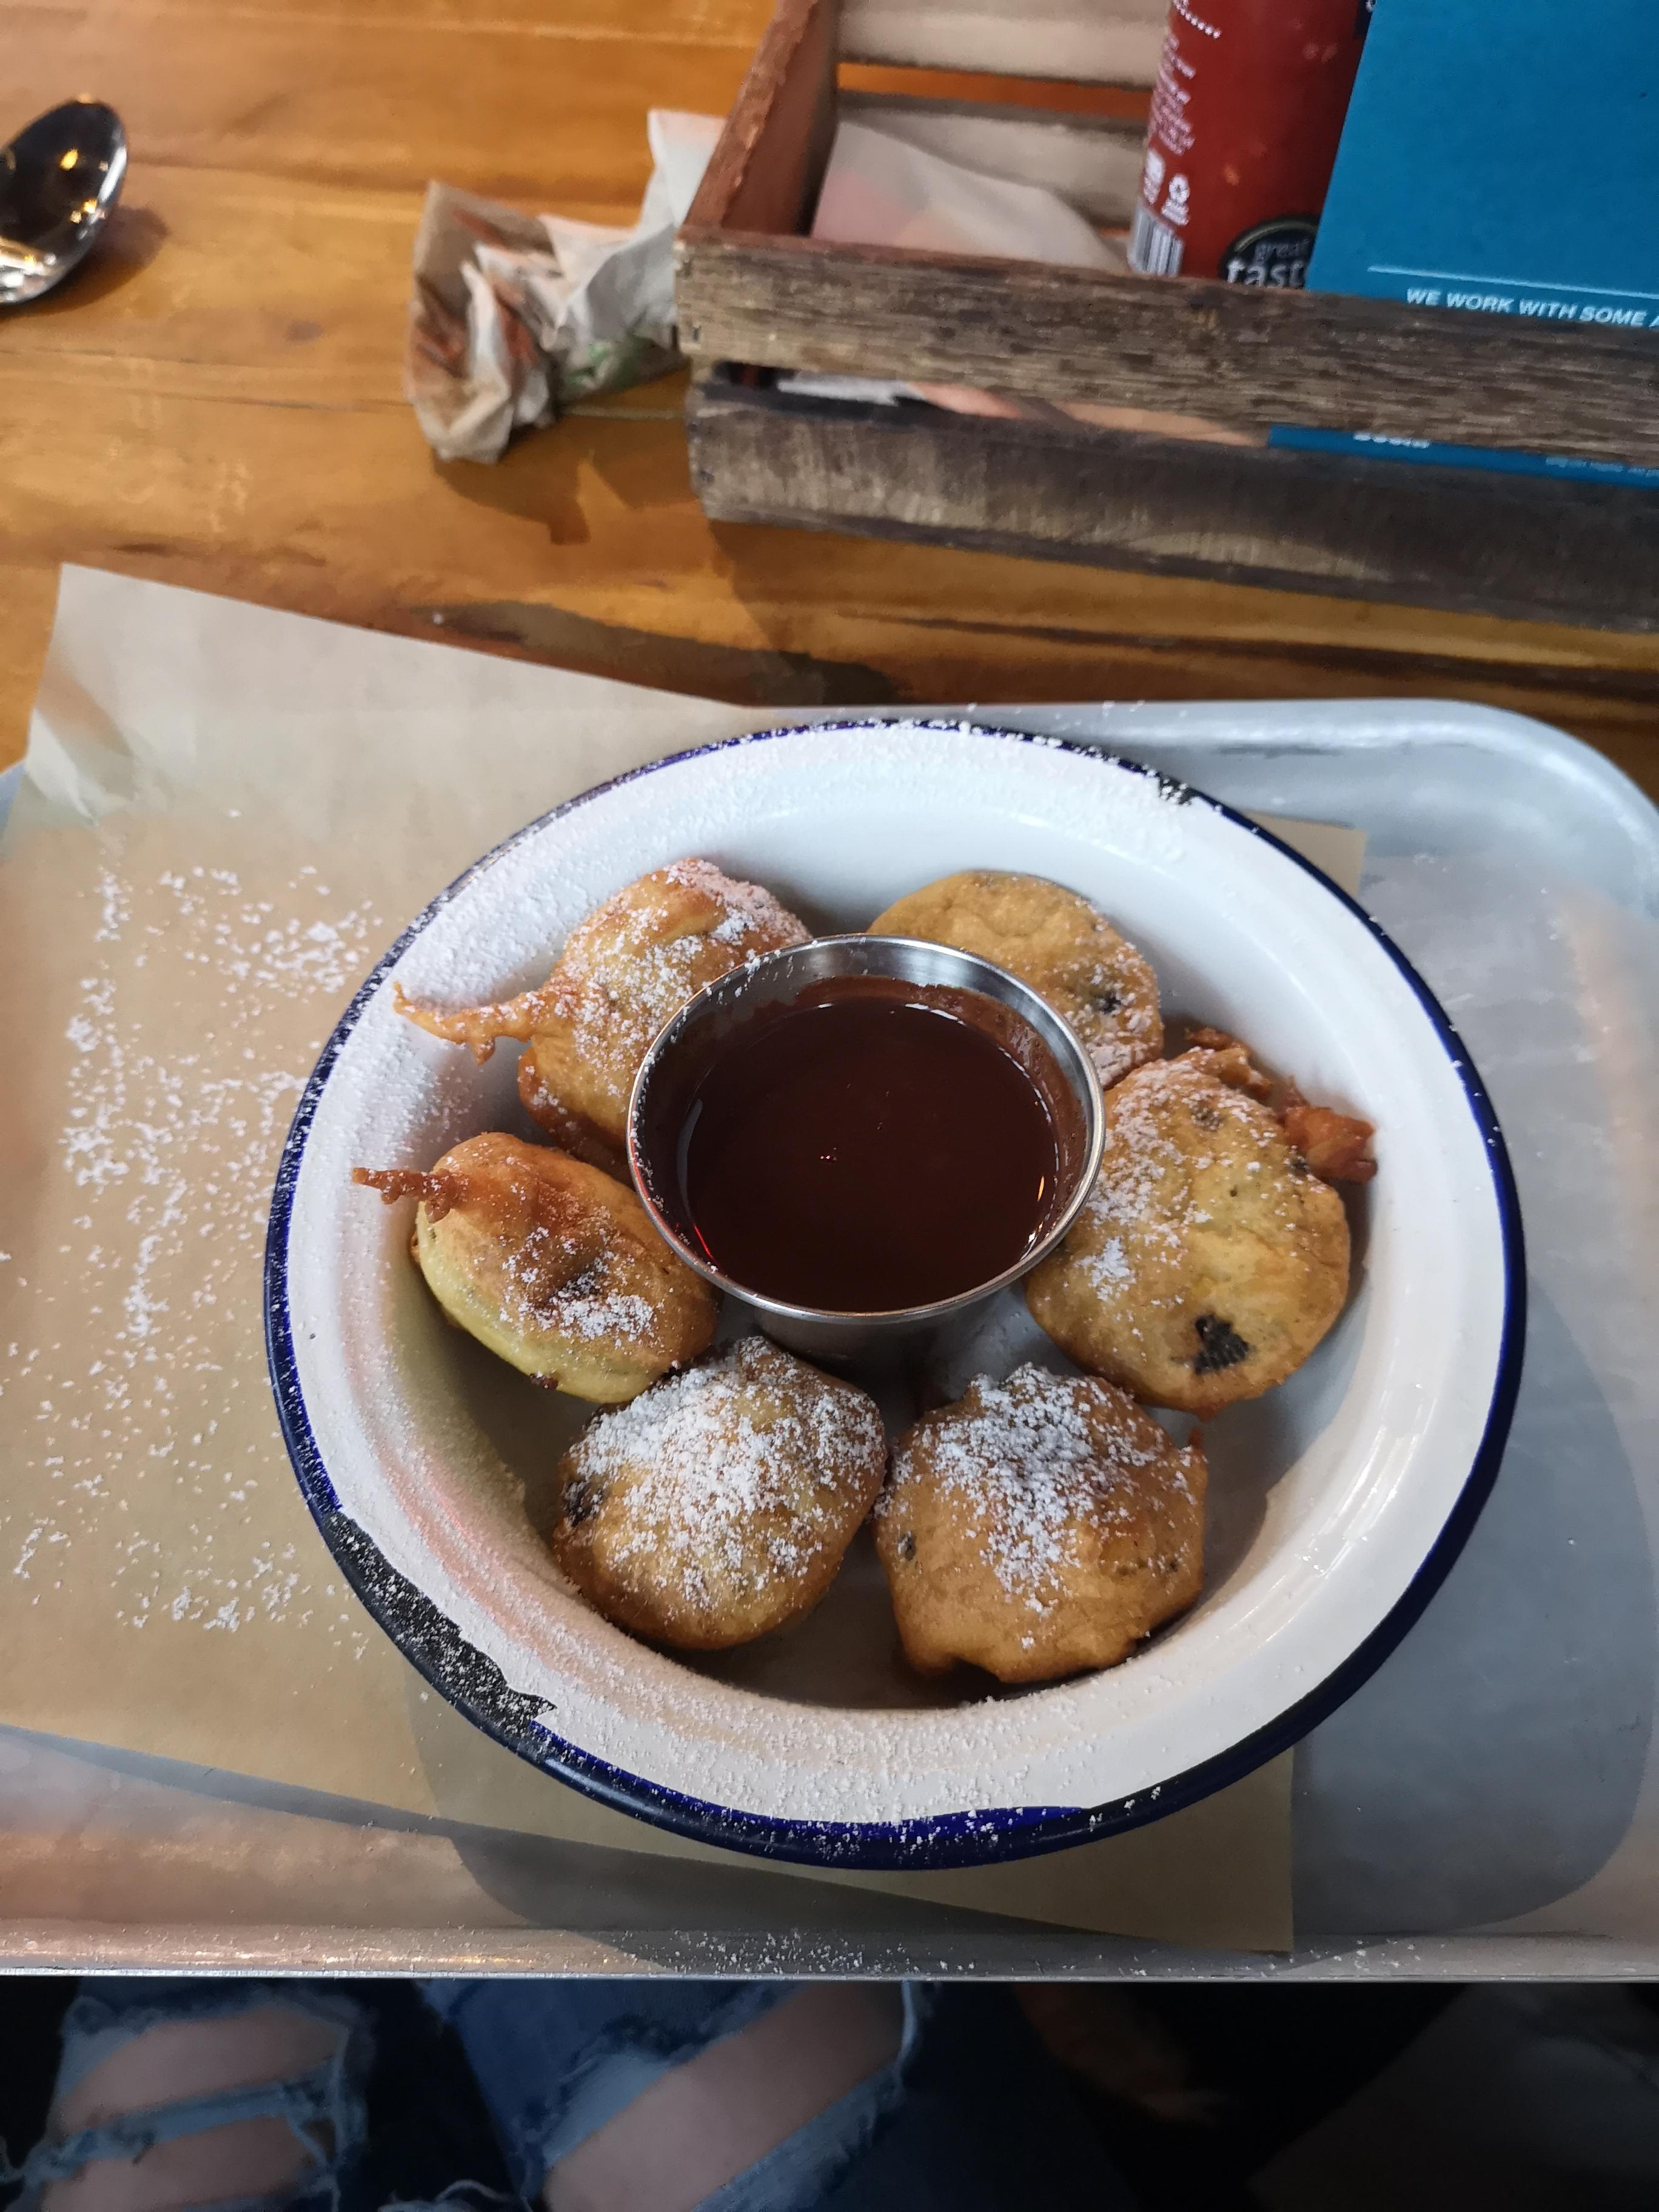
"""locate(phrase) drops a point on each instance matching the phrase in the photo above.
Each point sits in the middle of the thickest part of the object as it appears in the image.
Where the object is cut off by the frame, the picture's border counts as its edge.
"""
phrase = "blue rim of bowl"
(475, 1686)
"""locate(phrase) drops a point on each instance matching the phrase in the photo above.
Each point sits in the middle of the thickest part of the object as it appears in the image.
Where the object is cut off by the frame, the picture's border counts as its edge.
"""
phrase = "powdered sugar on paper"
(164, 1160)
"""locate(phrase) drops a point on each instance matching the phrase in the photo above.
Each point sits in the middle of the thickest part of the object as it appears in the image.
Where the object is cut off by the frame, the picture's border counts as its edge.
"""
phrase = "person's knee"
(700, 2126)
(176, 2060)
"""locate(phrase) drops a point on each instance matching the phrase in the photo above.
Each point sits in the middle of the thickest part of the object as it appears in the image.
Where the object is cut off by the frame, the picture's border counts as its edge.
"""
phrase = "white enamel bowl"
(1339, 1500)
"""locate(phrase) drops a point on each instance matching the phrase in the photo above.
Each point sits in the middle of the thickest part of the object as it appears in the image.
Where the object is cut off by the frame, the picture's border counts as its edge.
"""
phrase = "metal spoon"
(59, 177)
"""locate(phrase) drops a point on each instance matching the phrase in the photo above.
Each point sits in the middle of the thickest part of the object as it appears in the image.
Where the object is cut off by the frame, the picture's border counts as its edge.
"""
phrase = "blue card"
(1502, 155)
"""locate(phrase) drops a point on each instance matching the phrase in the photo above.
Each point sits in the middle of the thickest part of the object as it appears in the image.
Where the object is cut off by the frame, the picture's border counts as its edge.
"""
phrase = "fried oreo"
(624, 973)
(1053, 939)
(1209, 1260)
(1039, 1527)
(718, 1505)
(553, 1264)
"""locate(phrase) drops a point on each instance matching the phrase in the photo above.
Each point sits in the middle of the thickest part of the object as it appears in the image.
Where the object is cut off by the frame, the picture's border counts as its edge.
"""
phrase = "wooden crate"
(757, 296)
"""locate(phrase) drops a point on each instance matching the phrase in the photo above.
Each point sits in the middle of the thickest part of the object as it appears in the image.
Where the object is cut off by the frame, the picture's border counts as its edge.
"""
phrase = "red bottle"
(1247, 111)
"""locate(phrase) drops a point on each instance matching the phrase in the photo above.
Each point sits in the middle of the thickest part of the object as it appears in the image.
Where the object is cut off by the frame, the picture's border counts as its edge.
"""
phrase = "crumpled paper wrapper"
(516, 319)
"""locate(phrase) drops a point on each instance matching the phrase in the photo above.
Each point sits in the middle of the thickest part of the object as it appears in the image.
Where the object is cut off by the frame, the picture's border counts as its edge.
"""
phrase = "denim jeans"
(555, 2060)
(324, 2107)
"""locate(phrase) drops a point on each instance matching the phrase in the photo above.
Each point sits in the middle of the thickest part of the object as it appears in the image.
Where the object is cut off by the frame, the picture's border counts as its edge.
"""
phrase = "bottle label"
(1154, 248)
(1274, 253)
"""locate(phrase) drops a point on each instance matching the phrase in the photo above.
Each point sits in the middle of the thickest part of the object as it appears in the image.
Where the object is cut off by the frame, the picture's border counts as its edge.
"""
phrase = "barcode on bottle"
(1154, 248)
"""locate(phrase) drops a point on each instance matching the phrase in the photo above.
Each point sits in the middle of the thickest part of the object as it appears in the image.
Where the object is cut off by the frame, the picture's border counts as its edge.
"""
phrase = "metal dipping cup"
(1023, 1024)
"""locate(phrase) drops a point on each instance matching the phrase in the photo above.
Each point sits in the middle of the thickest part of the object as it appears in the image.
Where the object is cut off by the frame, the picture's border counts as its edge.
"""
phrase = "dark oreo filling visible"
(1219, 1345)
(1106, 1002)
(907, 1547)
(581, 1502)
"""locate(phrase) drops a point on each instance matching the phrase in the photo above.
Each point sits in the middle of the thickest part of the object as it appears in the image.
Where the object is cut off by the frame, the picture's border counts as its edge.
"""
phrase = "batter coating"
(1209, 1260)
(719, 1506)
(624, 973)
(1056, 941)
(1038, 1527)
(552, 1265)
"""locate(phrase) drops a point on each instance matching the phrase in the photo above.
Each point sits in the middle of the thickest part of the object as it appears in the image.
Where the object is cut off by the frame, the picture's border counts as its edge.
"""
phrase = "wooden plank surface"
(1116, 41)
(1257, 357)
(1177, 506)
(218, 404)
(764, 174)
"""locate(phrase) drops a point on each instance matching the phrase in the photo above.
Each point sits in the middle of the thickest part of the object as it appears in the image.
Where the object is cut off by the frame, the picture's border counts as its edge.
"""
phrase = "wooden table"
(217, 403)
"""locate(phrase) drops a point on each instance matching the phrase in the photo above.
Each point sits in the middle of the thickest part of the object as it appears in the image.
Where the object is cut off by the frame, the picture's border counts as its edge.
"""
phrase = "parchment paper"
(227, 814)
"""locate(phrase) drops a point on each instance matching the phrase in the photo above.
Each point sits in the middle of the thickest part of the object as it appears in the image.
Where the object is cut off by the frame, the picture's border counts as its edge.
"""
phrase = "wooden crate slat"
(1241, 356)
(1095, 44)
(765, 170)
(1453, 539)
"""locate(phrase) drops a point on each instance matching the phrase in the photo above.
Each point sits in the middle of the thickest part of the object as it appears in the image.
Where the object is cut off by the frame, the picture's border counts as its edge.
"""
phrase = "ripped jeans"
(323, 2107)
(555, 2061)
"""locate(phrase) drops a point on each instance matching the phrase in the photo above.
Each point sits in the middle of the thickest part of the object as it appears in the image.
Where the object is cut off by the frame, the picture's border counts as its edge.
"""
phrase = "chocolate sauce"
(871, 1146)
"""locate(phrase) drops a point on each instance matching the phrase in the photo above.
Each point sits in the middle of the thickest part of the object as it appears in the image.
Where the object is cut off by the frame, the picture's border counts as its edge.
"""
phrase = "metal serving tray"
(1482, 1806)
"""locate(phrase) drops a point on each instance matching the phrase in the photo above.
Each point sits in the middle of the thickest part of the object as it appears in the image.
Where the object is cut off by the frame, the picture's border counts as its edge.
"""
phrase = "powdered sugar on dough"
(1108, 1267)
(1142, 1201)
(1023, 1463)
(538, 1285)
(715, 1496)
(622, 943)
(1113, 1060)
